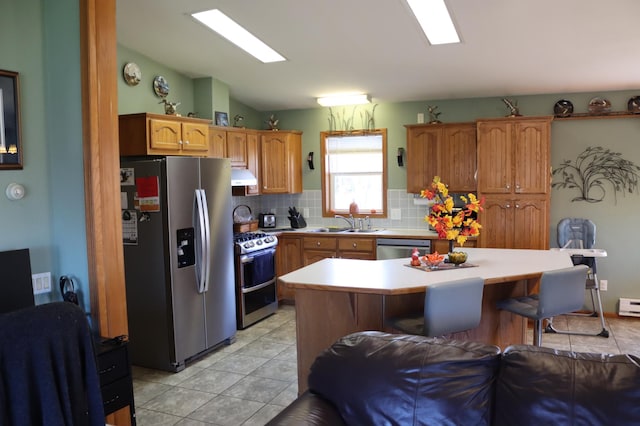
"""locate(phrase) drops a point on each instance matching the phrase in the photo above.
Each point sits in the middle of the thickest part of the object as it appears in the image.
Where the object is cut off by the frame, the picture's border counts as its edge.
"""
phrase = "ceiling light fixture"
(435, 20)
(229, 29)
(336, 100)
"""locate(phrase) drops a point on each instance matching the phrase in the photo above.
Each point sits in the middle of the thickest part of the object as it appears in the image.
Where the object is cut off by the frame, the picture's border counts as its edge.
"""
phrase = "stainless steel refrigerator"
(178, 253)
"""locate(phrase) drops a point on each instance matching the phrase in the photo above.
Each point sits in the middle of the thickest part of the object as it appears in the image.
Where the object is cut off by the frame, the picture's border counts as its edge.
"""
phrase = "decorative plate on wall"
(599, 106)
(563, 108)
(161, 86)
(633, 105)
(132, 74)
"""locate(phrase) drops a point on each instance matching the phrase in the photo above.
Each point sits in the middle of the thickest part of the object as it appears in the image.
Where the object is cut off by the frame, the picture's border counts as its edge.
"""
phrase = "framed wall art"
(10, 148)
(222, 119)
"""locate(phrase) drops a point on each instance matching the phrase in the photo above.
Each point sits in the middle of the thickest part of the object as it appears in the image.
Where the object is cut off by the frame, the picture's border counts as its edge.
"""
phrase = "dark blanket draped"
(48, 372)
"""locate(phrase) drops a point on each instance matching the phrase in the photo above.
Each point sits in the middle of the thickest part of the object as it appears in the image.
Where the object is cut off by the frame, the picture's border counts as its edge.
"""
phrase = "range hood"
(242, 177)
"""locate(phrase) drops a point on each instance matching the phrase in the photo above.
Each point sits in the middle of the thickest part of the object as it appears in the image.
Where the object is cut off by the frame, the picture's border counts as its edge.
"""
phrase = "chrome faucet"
(350, 220)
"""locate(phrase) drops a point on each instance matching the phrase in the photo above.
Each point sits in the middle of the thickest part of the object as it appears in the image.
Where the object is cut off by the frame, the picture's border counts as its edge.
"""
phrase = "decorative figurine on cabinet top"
(433, 115)
(514, 110)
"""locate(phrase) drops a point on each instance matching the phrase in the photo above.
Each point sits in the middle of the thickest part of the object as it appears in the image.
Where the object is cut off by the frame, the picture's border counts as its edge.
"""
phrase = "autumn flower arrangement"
(449, 225)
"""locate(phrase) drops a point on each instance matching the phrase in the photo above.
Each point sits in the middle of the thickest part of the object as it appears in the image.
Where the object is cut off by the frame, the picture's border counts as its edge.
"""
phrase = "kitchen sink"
(329, 229)
(361, 231)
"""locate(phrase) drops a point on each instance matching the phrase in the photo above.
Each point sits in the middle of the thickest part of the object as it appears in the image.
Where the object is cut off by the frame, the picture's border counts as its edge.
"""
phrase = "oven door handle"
(258, 287)
(203, 240)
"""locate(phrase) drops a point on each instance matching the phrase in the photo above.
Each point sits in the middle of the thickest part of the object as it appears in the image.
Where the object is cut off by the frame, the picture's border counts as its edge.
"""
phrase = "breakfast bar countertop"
(393, 276)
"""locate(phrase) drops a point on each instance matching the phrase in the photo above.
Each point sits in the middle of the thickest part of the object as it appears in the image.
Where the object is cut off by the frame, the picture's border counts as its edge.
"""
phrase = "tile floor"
(250, 381)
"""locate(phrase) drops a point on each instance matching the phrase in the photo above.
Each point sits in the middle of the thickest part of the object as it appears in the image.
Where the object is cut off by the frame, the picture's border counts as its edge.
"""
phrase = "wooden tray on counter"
(442, 267)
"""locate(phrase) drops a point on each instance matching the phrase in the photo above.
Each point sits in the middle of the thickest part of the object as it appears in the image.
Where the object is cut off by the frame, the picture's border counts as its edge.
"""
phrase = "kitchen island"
(336, 297)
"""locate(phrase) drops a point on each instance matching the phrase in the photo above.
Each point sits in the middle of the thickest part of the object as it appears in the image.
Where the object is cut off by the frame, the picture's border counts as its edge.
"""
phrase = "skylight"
(434, 18)
(229, 29)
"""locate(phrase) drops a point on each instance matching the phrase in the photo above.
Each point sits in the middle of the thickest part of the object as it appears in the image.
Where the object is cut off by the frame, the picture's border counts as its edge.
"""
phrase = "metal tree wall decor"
(593, 168)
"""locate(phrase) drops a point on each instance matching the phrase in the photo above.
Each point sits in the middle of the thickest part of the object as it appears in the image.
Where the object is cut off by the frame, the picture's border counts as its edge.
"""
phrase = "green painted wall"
(50, 219)
(615, 231)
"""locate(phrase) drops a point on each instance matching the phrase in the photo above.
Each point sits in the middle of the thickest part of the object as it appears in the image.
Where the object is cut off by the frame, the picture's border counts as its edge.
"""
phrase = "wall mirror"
(10, 147)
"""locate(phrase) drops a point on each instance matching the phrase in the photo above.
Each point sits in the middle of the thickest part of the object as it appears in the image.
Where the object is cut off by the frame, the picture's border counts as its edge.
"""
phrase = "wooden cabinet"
(522, 223)
(316, 248)
(237, 148)
(280, 162)
(514, 176)
(445, 150)
(244, 151)
(217, 142)
(143, 134)
(442, 246)
(357, 248)
(288, 258)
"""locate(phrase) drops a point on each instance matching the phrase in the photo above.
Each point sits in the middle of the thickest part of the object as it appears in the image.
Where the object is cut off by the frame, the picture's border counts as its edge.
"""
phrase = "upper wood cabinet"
(514, 177)
(514, 156)
(445, 150)
(217, 142)
(142, 134)
(251, 160)
(280, 162)
(237, 148)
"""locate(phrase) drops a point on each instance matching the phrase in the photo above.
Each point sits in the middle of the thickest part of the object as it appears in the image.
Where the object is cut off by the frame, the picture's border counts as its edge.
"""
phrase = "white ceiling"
(509, 47)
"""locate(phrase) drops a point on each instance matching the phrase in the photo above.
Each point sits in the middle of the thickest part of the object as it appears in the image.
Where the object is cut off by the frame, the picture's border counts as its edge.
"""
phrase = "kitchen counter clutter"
(361, 294)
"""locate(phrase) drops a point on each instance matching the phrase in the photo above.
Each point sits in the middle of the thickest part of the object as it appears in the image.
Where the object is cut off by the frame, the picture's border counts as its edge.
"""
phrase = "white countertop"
(393, 277)
(383, 232)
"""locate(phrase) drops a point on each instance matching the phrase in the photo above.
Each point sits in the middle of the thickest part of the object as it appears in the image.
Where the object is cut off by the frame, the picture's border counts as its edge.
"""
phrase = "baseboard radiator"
(629, 307)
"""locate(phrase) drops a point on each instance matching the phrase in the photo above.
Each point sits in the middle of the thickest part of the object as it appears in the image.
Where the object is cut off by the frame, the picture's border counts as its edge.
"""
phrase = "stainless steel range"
(255, 264)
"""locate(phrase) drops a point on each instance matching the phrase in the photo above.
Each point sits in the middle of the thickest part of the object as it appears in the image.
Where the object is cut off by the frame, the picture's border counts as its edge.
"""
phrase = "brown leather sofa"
(374, 378)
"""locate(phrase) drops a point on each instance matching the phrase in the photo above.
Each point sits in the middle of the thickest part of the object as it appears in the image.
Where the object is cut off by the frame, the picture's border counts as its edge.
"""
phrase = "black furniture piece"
(15, 284)
(374, 378)
(114, 369)
(561, 292)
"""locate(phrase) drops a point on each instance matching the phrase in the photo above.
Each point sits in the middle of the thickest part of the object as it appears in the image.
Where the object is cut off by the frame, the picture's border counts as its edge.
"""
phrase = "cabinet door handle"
(508, 186)
(517, 206)
(355, 245)
(508, 206)
(318, 243)
(186, 142)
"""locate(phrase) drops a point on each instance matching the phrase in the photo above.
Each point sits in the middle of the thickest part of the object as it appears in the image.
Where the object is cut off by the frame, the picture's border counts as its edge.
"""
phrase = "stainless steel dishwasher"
(397, 248)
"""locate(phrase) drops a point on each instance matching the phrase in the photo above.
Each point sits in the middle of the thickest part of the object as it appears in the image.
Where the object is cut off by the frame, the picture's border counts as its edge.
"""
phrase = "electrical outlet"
(396, 214)
(604, 284)
(41, 283)
(420, 117)
(305, 212)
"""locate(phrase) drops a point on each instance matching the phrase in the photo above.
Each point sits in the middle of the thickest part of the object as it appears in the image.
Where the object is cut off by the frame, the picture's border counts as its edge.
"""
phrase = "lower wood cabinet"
(516, 222)
(442, 246)
(288, 258)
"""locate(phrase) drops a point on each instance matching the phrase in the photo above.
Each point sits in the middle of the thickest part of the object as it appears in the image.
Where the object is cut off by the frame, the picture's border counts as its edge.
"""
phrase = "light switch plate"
(41, 283)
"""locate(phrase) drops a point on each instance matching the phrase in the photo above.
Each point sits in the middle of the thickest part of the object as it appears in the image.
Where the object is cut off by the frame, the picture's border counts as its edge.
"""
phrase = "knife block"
(298, 222)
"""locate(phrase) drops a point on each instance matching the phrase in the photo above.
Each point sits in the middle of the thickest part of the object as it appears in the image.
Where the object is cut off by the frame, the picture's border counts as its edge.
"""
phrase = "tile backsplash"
(400, 203)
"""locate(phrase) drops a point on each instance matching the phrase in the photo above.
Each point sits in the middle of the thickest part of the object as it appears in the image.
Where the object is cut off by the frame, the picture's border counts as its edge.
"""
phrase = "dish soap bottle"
(353, 207)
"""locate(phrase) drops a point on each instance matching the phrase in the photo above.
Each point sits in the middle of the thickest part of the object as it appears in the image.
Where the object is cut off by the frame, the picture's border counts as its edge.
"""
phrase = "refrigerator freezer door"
(187, 303)
(220, 297)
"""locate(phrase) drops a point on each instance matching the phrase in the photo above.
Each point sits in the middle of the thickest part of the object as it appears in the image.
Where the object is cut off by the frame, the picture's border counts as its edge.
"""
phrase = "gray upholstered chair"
(449, 307)
(561, 292)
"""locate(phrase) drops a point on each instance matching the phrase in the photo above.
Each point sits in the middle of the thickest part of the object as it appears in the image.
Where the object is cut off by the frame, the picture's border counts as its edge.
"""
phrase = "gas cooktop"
(249, 242)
